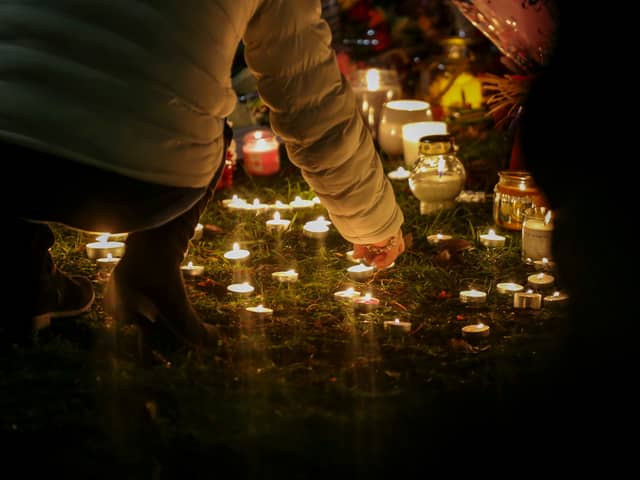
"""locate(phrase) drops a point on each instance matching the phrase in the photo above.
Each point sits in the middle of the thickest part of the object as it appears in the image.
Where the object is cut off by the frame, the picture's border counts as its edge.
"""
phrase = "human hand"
(381, 254)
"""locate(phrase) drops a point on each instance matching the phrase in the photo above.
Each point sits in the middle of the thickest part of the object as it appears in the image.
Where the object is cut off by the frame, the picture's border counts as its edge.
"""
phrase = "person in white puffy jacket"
(112, 118)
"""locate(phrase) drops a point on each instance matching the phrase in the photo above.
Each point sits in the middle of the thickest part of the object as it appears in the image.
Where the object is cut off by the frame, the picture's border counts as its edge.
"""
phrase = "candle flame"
(556, 294)
(256, 202)
(257, 134)
(109, 256)
(529, 290)
(189, 265)
(366, 297)
(441, 166)
(522, 186)
(480, 325)
(492, 232)
(439, 236)
(236, 247)
(396, 321)
(276, 216)
(103, 238)
(547, 218)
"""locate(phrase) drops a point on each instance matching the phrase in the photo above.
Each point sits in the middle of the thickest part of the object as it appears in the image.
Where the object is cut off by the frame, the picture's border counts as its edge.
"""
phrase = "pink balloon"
(523, 30)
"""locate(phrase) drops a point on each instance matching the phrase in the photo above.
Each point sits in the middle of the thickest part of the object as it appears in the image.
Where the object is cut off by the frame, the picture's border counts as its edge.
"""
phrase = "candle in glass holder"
(347, 294)
(372, 88)
(492, 239)
(286, 276)
(360, 272)
(397, 327)
(437, 238)
(236, 254)
(260, 150)
(473, 296)
(277, 224)
(527, 299)
(411, 135)
(537, 230)
(103, 247)
(365, 303)
(243, 288)
(191, 270)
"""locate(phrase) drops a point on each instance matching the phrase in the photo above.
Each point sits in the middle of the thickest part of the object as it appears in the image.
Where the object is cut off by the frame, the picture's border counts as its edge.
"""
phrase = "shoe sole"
(43, 320)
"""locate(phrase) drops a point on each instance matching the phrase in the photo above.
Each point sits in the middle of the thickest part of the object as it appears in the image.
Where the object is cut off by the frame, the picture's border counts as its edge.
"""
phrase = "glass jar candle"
(439, 176)
(514, 193)
(394, 115)
(537, 230)
(260, 152)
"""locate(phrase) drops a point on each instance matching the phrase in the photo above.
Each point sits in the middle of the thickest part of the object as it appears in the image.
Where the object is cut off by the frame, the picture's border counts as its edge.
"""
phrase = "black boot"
(42, 290)
(147, 287)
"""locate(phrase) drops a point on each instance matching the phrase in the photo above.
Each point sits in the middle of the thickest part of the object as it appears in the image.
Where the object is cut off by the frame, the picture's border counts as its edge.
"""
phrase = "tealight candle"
(108, 262)
(256, 206)
(281, 206)
(260, 311)
(277, 224)
(235, 203)
(191, 270)
(236, 253)
(360, 272)
(527, 299)
(103, 247)
(347, 294)
(286, 276)
(399, 173)
(509, 287)
(241, 288)
(473, 296)
(541, 280)
(438, 237)
(316, 201)
(298, 203)
(492, 239)
(556, 299)
(543, 264)
(365, 303)
(478, 330)
(397, 327)
(318, 229)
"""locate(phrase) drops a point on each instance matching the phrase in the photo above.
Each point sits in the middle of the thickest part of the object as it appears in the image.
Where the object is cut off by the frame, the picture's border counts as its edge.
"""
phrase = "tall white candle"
(411, 135)
(537, 231)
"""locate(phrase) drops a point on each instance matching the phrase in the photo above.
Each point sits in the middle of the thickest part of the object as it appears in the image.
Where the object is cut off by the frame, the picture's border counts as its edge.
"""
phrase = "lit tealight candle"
(527, 299)
(543, 264)
(281, 206)
(277, 224)
(286, 276)
(317, 229)
(103, 247)
(236, 253)
(365, 303)
(399, 173)
(509, 287)
(243, 288)
(298, 203)
(556, 299)
(256, 206)
(473, 296)
(360, 272)
(349, 256)
(191, 270)
(492, 239)
(475, 331)
(437, 238)
(260, 311)
(235, 203)
(316, 201)
(397, 327)
(347, 294)
(107, 263)
(541, 280)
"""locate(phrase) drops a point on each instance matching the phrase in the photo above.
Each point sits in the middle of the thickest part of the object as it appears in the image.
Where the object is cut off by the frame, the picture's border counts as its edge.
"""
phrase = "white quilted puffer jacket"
(141, 88)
